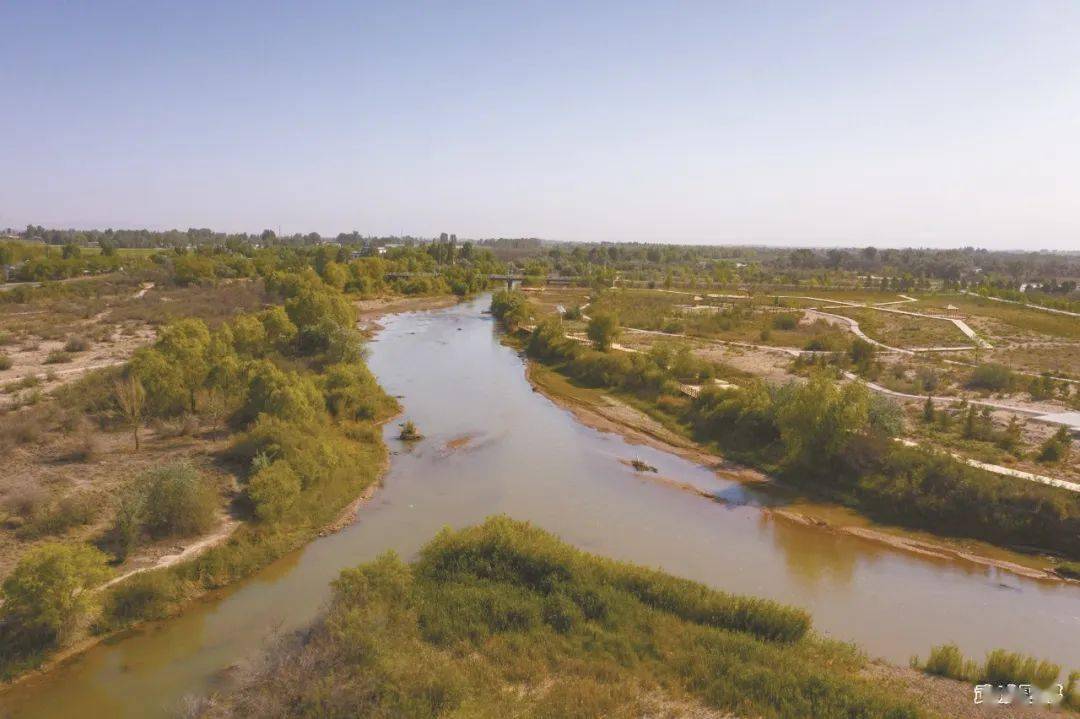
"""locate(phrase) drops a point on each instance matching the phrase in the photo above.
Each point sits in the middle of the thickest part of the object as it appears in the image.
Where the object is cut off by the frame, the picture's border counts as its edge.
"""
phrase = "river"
(532, 460)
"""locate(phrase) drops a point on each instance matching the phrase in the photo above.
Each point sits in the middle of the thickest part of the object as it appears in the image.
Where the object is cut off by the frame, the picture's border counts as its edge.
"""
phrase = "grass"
(905, 331)
(1001, 667)
(503, 619)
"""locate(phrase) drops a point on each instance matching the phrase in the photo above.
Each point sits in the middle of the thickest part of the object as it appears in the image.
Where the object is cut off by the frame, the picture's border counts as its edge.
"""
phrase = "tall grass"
(505, 620)
(999, 667)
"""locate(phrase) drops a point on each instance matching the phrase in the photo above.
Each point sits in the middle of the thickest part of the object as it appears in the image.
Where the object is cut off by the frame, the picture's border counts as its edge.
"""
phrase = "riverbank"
(339, 460)
(601, 411)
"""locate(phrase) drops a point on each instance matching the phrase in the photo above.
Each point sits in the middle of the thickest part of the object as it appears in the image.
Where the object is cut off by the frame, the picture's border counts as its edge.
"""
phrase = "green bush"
(991, 376)
(1003, 667)
(948, 661)
(5, 361)
(273, 490)
(147, 595)
(45, 597)
(178, 501)
(58, 357)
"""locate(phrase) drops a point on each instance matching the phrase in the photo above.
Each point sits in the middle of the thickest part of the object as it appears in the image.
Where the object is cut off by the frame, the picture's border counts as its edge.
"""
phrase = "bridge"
(510, 278)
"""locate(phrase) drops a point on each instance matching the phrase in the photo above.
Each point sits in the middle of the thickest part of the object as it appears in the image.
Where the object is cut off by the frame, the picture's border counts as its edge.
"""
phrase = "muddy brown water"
(531, 460)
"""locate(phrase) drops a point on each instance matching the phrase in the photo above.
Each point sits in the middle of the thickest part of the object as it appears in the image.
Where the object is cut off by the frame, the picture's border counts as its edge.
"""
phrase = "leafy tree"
(603, 330)
(280, 330)
(312, 305)
(273, 490)
(278, 393)
(335, 275)
(131, 398)
(161, 379)
(862, 355)
(928, 410)
(186, 343)
(250, 335)
(818, 419)
(47, 590)
(512, 308)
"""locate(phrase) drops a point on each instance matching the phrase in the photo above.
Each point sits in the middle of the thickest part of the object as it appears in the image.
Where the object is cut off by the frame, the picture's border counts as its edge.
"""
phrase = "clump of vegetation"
(76, 343)
(512, 308)
(642, 466)
(489, 609)
(947, 661)
(58, 357)
(46, 599)
(1069, 570)
(992, 377)
(603, 330)
(1000, 667)
(1057, 447)
(409, 432)
(5, 361)
(172, 501)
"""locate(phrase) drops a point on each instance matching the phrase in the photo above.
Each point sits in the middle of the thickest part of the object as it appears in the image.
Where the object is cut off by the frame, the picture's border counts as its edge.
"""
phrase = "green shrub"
(5, 361)
(273, 490)
(991, 376)
(785, 321)
(1004, 667)
(178, 502)
(58, 357)
(147, 595)
(46, 594)
(948, 661)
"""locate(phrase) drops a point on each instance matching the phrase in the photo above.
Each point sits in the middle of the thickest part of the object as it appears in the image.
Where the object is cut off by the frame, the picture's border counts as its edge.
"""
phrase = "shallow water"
(530, 459)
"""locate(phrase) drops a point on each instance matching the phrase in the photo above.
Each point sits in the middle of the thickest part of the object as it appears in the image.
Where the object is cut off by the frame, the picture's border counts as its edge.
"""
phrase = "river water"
(530, 459)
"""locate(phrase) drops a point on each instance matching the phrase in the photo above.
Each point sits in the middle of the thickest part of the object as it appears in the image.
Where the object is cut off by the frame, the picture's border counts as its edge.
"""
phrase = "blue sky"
(887, 123)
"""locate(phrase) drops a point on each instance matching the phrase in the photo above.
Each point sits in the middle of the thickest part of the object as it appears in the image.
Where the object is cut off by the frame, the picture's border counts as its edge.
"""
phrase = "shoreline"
(647, 431)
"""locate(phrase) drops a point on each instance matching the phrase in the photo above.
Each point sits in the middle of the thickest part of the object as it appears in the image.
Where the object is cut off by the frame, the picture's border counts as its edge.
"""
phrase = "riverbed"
(493, 445)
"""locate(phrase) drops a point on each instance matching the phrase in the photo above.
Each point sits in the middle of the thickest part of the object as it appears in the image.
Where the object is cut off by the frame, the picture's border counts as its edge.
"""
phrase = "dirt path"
(191, 551)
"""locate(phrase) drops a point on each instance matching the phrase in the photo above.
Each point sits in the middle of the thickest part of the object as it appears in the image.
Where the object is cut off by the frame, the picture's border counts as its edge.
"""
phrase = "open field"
(904, 331)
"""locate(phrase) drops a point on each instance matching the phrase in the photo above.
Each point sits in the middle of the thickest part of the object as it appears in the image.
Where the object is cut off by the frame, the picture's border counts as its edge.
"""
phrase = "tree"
(46, 592)
(603, 330)
(1057, 447)
(185, 343)
(818, 418)
(862, 354)
(928, 410)
(130, 397)
(273, 490)
(162, 380)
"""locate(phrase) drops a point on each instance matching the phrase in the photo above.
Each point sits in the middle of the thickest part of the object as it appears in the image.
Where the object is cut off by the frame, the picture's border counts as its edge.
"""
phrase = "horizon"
(774, 126)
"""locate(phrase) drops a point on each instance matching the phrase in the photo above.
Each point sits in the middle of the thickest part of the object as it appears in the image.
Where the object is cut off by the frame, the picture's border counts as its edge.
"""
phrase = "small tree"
(928, 410)
(862, 354)
(603, 330)
(131, 397)
(46, 592)
(1056, 448)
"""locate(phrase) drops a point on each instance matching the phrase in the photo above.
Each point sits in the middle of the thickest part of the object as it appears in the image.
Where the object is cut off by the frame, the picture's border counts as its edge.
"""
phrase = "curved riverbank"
(602, 412)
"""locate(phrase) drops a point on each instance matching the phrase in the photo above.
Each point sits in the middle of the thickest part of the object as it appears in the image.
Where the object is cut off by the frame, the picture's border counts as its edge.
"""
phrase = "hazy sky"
(900, 122)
